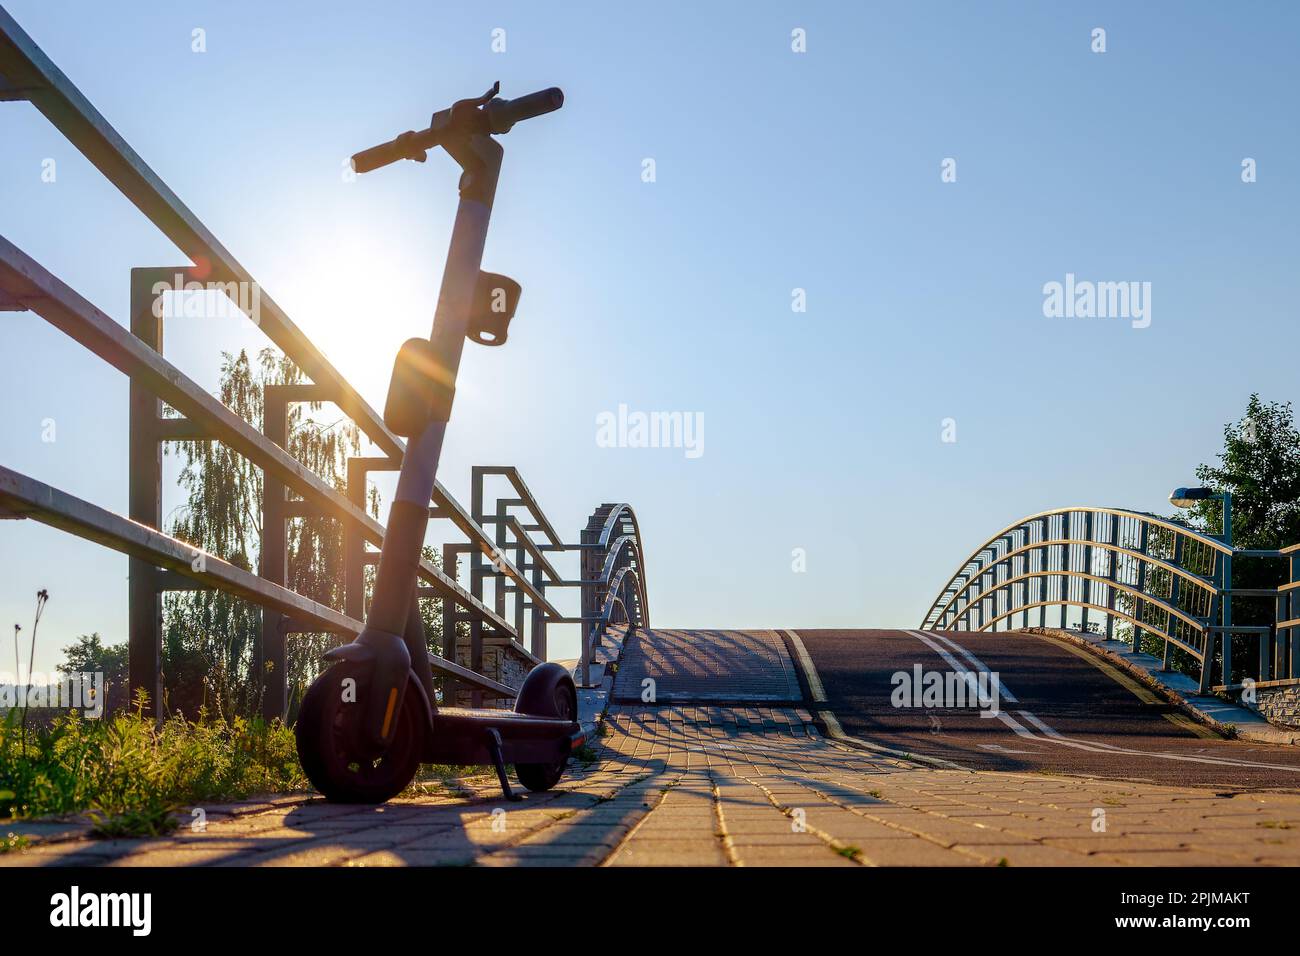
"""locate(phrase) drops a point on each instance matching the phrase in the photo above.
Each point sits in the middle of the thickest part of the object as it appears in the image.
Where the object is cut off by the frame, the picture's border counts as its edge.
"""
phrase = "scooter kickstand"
(494, 748)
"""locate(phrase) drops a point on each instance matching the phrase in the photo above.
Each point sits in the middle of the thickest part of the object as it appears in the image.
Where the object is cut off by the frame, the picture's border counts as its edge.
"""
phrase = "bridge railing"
(1160, 579)
(511, 557)
(1287, 637)
(613, 572)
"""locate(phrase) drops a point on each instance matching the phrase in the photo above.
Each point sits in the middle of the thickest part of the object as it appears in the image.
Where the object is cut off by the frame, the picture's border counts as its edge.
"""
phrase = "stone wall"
(502, 662)
(1279, 705)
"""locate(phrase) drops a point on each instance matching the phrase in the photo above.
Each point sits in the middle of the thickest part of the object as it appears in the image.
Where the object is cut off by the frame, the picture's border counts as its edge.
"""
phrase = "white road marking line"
(837, 734)
(1019, 729)
(978, 664)
(958, 666)
(838, 737)
(1051, 735)
(998, 748)
(1097, 746)
(1038, 723)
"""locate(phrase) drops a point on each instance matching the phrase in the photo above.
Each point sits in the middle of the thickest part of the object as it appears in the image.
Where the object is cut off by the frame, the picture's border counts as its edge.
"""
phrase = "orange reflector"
(388, 714)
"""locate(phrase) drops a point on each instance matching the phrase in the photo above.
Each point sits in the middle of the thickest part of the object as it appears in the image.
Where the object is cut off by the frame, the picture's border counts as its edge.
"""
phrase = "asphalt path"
(1060, 709)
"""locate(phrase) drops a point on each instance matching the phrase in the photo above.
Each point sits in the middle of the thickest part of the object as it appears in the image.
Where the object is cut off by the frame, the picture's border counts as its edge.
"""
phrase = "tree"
(210, 638)
(90, 655)
(1260, 466)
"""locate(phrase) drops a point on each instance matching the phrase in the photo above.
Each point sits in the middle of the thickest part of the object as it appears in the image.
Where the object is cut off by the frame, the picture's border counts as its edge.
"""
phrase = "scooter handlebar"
(503, 114)
(497, 115)
(409, 145)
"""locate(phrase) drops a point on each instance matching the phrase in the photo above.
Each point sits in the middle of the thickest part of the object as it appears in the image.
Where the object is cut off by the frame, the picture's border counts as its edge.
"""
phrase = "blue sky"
(775, 171)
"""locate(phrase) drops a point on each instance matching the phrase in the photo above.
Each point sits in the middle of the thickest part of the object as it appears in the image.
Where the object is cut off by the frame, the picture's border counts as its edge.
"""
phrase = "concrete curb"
(1242, 724)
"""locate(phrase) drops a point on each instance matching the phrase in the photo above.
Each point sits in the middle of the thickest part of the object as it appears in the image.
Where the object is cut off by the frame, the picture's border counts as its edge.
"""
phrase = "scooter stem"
(480, 159)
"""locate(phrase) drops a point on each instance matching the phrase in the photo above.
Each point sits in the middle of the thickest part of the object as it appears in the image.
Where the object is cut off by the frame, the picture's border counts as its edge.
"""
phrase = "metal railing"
(517, 565)
(1287, 636)
(613, 576)
(1158, 577)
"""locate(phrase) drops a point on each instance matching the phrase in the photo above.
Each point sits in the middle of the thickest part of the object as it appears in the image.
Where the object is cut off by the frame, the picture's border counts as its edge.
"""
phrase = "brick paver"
(740, 783)
(694, 786)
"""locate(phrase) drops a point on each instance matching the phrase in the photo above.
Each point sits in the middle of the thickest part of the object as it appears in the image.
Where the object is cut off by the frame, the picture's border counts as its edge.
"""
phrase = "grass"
(134, 779)
(130, 776)
(585, 755)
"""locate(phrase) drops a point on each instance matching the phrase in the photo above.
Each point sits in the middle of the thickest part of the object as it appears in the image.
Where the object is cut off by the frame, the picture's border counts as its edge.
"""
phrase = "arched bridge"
(1141, 575)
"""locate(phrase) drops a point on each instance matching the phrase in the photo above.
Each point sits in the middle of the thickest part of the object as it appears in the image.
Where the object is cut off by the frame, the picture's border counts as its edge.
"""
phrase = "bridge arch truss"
(1119, 567)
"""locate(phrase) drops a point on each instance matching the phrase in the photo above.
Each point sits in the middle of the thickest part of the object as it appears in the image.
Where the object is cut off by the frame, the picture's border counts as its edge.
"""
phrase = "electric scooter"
(367, 722)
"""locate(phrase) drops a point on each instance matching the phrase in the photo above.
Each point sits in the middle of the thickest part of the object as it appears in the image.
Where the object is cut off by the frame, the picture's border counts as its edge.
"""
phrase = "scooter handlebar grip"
(506, 113)
(410, 145)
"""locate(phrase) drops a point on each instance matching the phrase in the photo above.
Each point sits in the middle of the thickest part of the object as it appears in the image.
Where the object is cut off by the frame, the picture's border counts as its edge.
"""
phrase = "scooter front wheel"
(548, 691)
(328, 731)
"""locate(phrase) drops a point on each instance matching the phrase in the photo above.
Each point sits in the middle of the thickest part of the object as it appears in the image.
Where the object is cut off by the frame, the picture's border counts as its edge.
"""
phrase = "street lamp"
(1186, 498)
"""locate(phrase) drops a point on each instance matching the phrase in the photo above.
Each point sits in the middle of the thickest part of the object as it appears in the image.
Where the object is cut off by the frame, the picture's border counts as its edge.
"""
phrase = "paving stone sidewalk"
(717, 786)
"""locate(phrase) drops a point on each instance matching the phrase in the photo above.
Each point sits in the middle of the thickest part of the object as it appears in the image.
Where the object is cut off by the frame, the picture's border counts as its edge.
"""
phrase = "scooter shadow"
(398, 833)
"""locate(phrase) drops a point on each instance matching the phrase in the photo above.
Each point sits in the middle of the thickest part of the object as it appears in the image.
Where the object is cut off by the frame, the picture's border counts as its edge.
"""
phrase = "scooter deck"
(460, 735)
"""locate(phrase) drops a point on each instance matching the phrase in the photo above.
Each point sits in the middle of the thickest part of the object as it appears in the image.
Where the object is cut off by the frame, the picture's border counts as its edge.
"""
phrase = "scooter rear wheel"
(327, 732)
(548, 691)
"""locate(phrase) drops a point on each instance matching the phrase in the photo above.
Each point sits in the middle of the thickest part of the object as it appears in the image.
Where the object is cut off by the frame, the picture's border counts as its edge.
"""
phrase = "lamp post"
(1186, 498)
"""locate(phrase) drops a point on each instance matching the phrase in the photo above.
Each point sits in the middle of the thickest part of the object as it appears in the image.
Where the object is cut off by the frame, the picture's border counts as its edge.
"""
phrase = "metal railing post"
(1112, 569)
(587, 573)
(1066, 562)
(355, 557)
(1042, 566)
(354, 546)
(1087, 569)
(1139, 603)
(1174, 586)
(537, 635)
(144, 498)
(520, 604)
(1293, 612)
(274, 560)
(451, 618)
(476, 588)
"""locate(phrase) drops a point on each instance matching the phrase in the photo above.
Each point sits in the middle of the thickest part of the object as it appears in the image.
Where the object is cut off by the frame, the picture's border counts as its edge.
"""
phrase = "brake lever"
(461, 108)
